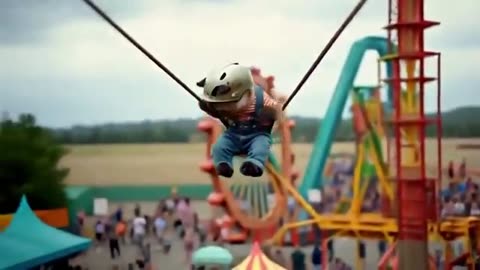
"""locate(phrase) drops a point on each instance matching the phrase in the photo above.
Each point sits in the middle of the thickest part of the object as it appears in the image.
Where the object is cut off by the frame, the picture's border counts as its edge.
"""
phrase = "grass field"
(138, 164)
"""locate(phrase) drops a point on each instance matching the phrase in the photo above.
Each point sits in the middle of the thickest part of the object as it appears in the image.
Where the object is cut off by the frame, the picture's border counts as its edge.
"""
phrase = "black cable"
(325, 50)
(102, 14)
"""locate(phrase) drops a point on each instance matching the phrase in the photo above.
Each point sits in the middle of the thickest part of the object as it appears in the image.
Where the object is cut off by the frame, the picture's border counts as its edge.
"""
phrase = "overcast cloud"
(61, 62)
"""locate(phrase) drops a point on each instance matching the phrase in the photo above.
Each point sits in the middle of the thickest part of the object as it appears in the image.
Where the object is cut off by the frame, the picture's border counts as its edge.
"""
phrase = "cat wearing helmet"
(230, 94)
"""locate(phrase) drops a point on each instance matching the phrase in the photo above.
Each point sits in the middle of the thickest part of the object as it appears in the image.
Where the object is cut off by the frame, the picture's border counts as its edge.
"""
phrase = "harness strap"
(258, 101)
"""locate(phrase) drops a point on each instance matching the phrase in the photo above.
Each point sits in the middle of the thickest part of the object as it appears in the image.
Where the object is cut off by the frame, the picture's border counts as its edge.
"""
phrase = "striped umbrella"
(257, 261)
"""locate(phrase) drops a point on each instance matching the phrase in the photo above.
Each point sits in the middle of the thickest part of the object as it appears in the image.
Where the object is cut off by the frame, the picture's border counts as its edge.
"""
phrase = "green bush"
(29, 166)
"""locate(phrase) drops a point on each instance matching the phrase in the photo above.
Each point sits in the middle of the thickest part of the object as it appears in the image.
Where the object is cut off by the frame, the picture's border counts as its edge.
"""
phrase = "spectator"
(451, 170)
(160, 225)
(472, 208)
(329, 200)
(183, 212)
(472, 187)
(450, 190)
(120, 230)
(189, 245)
(112, 240)
(459, 205)
(137, 210)
(298, 259)
(161, 232)
(119, 213)
(202, 232)
(161, 207)
(170, 205)
(81, 222)
(362, 252)
(189, 215)
(469, 183)
(331, 250)
(382, 247)
(148, 224)
(448, 207)
(316, 258)
(99, 231)
(139, 224)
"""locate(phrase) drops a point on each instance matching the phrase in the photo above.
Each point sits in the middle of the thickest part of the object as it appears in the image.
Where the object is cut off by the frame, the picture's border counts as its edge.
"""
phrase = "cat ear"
(270, 82)
(202, 82)
(255, 71)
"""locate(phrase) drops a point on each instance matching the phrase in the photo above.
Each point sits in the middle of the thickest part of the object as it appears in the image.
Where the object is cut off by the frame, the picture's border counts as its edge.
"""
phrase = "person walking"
(316, 257)
(160, 225)
(139, 227)
(112, 240)
(298, 259)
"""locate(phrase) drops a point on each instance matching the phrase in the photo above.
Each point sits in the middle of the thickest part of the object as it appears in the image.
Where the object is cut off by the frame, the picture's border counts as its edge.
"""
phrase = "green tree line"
(458, 123)
(29, 159)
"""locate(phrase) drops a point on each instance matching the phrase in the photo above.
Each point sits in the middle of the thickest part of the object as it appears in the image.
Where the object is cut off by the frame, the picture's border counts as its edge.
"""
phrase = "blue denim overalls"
(250, 138)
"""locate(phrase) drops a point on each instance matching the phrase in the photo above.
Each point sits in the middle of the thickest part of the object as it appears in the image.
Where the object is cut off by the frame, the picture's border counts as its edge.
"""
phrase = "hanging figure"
(231, 95)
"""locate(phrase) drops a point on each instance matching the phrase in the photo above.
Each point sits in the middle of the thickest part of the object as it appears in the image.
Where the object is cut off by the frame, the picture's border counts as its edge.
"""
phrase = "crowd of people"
(176, 219)
(340, 188)
(173, 218)
(461, 197)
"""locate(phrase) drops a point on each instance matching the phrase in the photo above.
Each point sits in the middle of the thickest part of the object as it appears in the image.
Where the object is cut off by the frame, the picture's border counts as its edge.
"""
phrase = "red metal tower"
(416, 192)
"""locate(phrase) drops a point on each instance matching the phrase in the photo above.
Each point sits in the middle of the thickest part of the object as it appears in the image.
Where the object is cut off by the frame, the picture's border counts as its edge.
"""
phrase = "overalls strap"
(254, 124)
(258, 101)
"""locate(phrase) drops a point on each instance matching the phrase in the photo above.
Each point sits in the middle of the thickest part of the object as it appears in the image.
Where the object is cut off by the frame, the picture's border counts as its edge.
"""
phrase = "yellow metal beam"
(375, 226)
(409, 109)
(388, 57)
(292, 191)
(381, 172)
(375, 114)
(355, 203)
(411, 88)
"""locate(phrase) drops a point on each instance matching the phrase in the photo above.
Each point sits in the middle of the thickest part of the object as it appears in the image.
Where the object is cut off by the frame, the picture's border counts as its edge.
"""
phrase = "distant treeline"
(459, 123)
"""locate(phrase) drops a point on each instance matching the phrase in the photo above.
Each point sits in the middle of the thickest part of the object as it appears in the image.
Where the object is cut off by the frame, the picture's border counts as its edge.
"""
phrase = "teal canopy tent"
(28, 242)
(212, 255)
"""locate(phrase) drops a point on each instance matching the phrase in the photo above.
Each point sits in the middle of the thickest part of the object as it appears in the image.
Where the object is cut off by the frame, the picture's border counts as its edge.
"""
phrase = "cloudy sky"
(60, 61)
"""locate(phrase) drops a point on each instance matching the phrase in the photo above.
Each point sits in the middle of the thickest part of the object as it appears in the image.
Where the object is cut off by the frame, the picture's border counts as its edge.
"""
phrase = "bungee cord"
(102, 14)
(307, 75)
(325, 50)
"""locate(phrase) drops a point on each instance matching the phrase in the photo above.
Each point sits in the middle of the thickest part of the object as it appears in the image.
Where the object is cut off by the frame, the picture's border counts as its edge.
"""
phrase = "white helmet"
(227, 84)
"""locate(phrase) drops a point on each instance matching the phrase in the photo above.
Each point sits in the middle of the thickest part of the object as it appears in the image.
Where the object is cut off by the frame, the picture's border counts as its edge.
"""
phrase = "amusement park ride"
(409, 216)
(390, 137)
